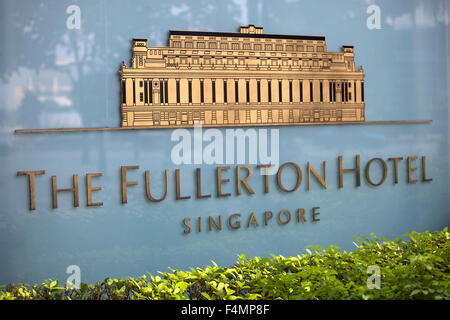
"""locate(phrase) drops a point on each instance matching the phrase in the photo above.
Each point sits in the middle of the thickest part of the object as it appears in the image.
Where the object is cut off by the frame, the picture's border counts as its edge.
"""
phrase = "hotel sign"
(242, 183)
(244, 79)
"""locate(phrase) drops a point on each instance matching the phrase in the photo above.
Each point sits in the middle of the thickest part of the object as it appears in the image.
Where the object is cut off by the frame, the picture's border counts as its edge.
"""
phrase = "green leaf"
(229, 291)
(207, 296)
(182, 286)
(220, 286)
(53, 284)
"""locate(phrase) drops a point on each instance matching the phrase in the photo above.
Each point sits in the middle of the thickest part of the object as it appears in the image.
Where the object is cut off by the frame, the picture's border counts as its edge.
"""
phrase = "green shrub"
(413, 269)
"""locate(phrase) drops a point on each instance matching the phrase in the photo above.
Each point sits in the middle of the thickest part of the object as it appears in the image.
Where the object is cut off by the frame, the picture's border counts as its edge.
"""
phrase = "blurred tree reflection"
(36, 37)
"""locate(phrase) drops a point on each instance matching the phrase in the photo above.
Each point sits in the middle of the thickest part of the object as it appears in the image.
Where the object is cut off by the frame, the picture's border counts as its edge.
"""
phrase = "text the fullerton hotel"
(239, 178)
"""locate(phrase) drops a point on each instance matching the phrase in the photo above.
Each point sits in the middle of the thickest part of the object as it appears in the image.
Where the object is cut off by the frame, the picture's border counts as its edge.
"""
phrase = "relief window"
(330, 89)
(202, 92)
(269, 90)
(166, 91)
(145, 92)
(225, 91)
(280, 90)
(321, 92)
(290, 91)
(178, 91)
(124, 97)
(247, 88)
(190, 90)
(259, 90)
(301, 91)
(362, 91)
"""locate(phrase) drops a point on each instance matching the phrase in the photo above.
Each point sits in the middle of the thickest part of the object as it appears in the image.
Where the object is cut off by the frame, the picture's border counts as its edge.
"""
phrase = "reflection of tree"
(38, 28)
(3, 116)
(30, 110)
(40, 35)
(31, 37)
(91, 56)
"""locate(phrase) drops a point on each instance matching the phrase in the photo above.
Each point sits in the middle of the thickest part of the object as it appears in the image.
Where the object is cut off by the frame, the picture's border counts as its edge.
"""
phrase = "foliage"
(413, 269)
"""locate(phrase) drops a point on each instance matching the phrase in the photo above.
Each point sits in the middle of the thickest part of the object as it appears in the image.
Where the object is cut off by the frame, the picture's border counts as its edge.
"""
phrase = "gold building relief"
(244, 78)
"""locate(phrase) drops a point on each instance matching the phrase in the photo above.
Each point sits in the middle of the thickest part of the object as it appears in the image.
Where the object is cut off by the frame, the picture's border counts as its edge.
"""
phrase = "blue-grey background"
(53, 77)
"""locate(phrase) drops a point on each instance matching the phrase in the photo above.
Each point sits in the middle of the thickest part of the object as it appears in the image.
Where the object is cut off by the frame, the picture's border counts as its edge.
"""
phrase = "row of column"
(142, 92)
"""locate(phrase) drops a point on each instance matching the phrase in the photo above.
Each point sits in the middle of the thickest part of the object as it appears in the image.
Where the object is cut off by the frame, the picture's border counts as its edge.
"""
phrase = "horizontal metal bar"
(231, 125)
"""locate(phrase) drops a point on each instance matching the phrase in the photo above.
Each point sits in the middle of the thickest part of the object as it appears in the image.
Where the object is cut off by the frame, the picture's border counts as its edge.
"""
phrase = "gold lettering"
(342, 171)
(244, 181)
(147, 186)
(230, 221)
(89, 189)
(299, 177)
(301, 215)
(368, 171)
(220, 181)
(199, 185)
(266, 175)
(31, 185)
(252, 220)
(267, 216)
(424, 173)
(395, 168)
(126, 183)
(411, 169)
(281, 214)
(323, 181)
(218, 226)
(55, 191)
(315, 213)
(188, 226)
(178, 187)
